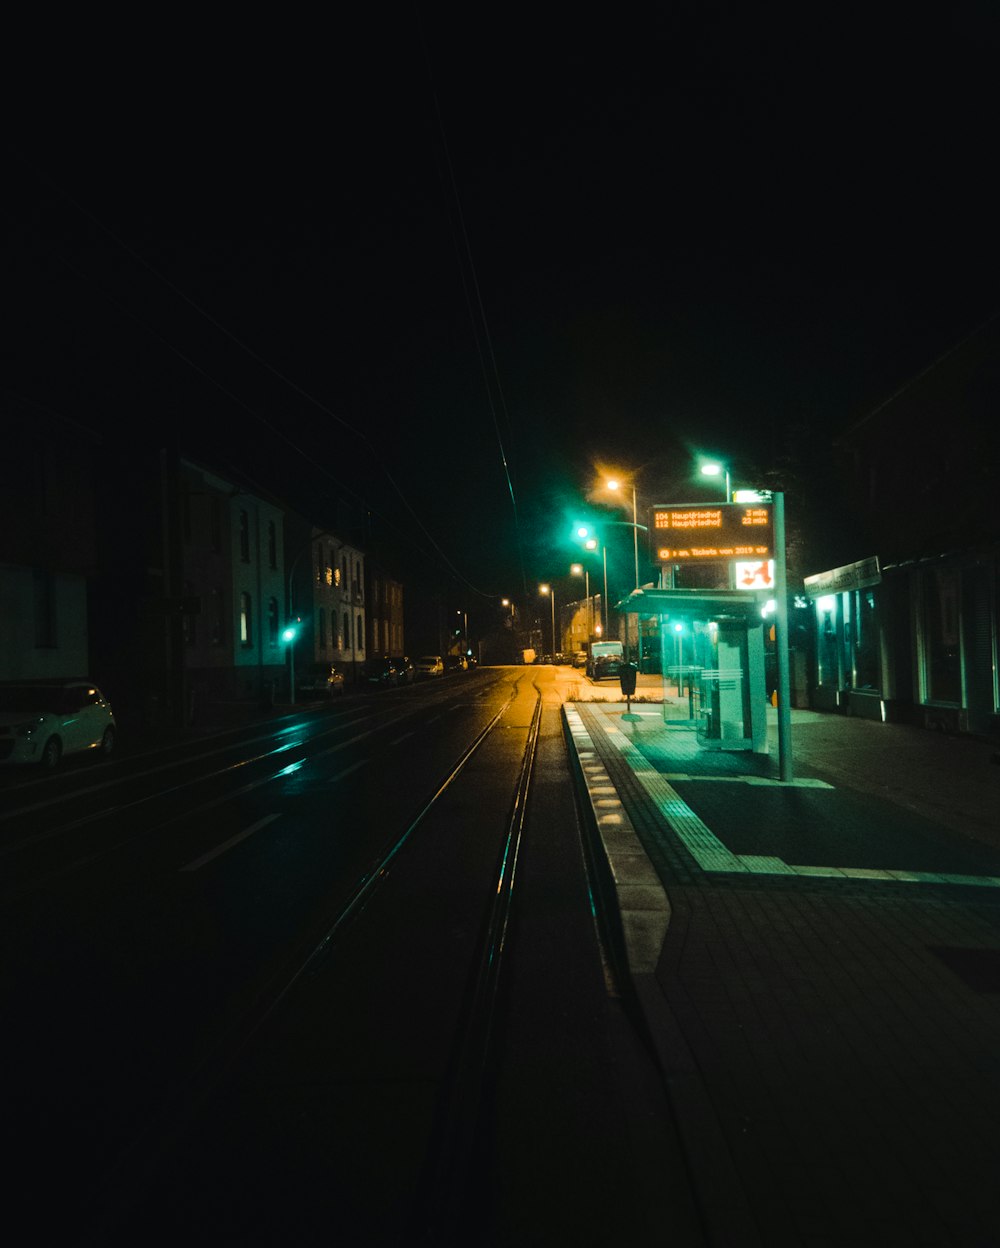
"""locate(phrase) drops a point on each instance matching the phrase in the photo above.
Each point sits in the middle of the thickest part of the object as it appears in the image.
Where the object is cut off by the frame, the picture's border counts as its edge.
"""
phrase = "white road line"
(233, 840)
(400, 739)
(347, 771)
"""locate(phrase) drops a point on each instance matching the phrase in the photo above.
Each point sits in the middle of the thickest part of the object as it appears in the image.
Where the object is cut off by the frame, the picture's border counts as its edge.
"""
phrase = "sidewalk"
(818, 967)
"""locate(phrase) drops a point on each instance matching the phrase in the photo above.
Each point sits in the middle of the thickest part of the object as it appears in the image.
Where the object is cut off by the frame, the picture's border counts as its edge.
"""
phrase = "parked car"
(429, 665)
(606, 658)
(321, 680)
(405, 671)
(456, 663)
(42, 720)
(381, 672)
(579, 658)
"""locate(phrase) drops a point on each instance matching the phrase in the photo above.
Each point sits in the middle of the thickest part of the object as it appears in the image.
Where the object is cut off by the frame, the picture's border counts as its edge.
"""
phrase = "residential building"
(326, 597)
(48, 553)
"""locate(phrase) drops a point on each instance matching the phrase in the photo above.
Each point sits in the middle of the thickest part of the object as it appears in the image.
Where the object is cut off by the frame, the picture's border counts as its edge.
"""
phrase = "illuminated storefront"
(912, 642)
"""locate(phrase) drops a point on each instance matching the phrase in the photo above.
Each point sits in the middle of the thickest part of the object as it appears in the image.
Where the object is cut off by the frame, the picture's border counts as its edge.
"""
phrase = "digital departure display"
(723, 531)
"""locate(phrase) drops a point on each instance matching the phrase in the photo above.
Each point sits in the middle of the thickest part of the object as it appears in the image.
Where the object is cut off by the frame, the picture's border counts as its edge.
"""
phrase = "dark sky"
(360, 259)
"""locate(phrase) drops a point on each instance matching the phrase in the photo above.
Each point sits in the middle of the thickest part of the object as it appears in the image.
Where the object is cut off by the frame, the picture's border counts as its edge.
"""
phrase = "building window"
(272, 544)
(272, 621)
(217, 618)
(360, 634)
(347, 631)
(321, 628)
(244, 536)
(45, 610)
(189, 621)
(246, 621)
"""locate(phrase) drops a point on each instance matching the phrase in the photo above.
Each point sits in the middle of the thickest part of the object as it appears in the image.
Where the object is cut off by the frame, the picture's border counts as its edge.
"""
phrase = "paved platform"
(817, 964)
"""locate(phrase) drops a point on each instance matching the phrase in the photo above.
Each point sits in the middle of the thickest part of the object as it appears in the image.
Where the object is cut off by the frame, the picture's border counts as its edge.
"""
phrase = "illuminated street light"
(578, 569)
(547, 589)
(615, 485)
(713, 469)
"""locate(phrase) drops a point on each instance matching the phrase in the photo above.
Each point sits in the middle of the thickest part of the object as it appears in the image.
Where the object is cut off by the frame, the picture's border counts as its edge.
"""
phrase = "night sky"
(445, 271)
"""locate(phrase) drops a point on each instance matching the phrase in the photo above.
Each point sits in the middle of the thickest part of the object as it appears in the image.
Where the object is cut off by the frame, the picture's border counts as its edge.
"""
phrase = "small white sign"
(759, 575)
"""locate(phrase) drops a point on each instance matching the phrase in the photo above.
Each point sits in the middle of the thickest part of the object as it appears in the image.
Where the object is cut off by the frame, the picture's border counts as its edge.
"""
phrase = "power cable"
(485, 594)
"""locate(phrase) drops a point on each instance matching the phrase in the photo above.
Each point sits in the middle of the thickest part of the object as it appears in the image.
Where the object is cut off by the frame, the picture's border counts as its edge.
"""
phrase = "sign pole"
(781, 620)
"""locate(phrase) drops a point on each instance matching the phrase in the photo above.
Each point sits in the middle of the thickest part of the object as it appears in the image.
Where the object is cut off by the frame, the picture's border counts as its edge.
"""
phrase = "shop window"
(867, 663)
(942, 654)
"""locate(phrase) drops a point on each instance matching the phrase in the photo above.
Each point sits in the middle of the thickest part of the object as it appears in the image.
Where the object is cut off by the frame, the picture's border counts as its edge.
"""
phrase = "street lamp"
(547, 589)
(292, 631)
(615, 485)
(288, 636)
(713, 469)
(578, 569)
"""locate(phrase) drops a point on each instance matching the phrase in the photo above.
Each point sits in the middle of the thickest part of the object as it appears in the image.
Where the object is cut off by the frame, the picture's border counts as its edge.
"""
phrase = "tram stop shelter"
(712, 649)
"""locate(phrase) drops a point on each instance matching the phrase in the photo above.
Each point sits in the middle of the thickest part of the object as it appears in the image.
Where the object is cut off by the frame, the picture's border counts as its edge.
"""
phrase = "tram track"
(127, 1182)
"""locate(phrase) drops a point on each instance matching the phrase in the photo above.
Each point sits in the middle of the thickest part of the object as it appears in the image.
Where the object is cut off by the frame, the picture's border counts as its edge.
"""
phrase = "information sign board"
(726, 531)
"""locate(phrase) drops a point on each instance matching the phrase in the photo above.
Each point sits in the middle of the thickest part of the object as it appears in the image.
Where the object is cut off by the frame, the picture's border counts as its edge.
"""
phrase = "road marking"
(233, 840)
(710, 853)
(347, 771)
(400, 739)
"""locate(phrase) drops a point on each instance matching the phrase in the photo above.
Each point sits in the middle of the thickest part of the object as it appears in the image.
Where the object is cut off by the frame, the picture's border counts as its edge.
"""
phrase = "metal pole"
(781, 620)
(554, 646)
(291, 645)
(635, 546)
(604, 551)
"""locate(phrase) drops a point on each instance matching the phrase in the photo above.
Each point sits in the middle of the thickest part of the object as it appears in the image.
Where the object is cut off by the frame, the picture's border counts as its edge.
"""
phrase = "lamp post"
(291, 632)
(547, 589)
(717, 470)
(578, 569)
(614, 484)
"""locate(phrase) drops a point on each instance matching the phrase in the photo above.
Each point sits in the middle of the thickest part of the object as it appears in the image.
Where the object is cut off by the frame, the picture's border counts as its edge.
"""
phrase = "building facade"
(909, 630)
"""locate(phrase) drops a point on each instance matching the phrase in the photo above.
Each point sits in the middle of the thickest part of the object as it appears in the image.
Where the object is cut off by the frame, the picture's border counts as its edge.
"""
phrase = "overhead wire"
(480, 326)
(448, 563)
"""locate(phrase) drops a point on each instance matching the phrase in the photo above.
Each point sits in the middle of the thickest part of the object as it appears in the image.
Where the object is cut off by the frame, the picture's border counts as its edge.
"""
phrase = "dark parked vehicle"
(405, 671)
(320, 680)
(381, 673)
(606, 658)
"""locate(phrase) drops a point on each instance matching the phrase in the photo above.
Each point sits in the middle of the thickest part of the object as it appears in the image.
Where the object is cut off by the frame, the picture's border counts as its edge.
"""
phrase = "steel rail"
(125, 1181)
(442, 1205)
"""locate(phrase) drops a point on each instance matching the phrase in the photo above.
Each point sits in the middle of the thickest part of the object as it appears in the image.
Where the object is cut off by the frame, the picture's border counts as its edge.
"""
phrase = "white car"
(42, 720)
(429, 665)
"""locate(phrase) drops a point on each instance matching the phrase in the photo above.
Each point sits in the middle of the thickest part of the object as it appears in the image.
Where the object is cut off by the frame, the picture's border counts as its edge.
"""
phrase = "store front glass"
(942, 657)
